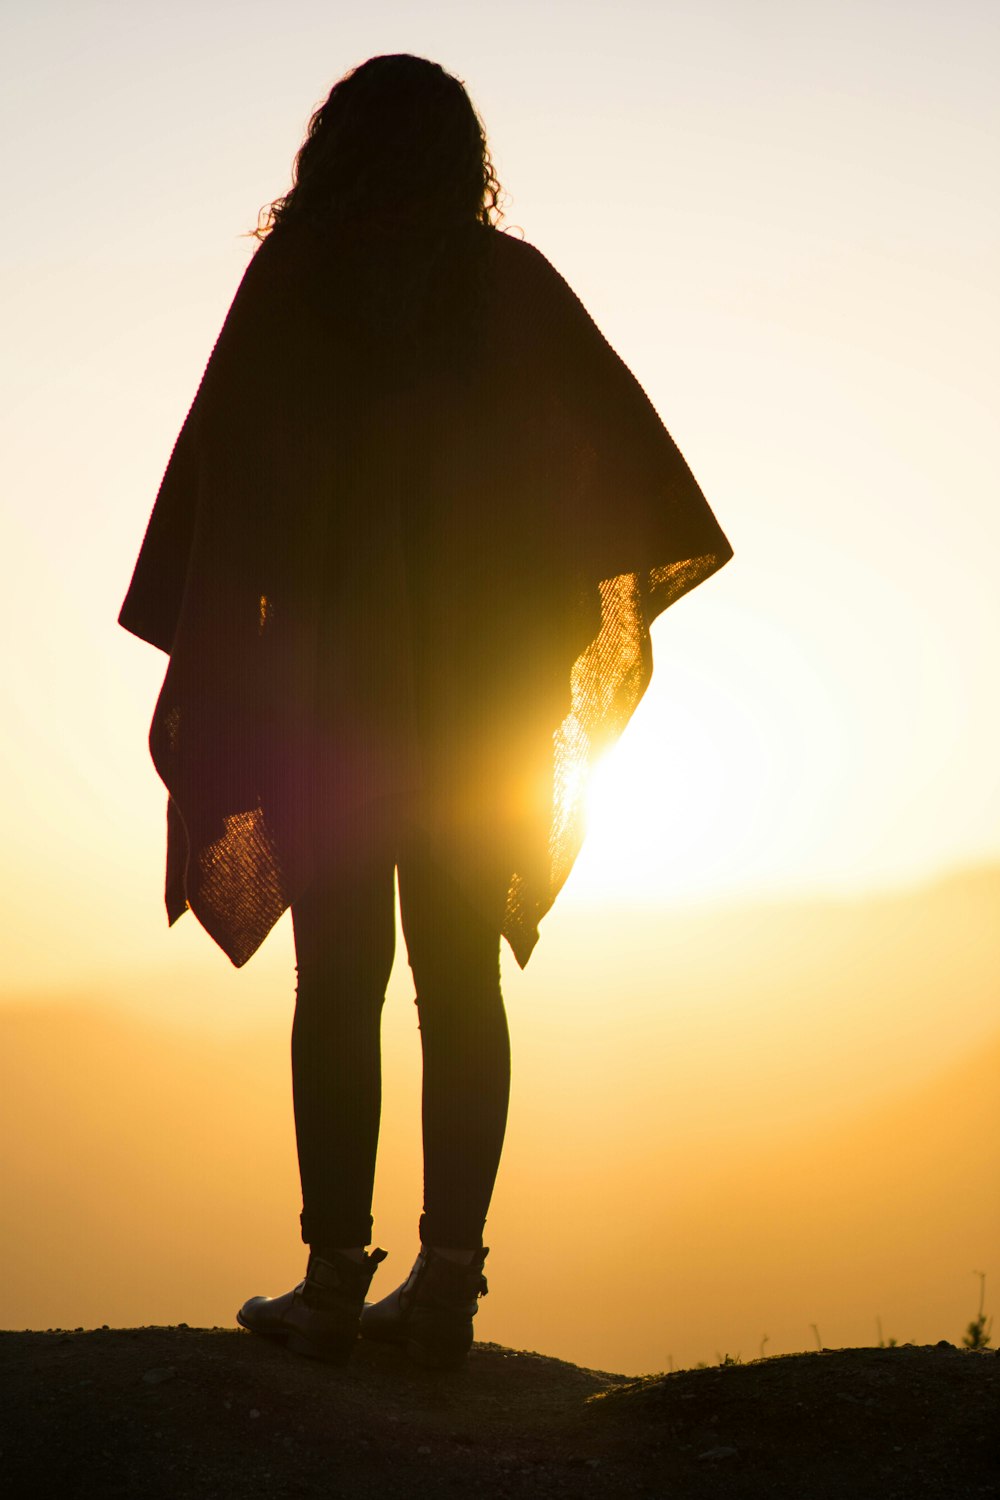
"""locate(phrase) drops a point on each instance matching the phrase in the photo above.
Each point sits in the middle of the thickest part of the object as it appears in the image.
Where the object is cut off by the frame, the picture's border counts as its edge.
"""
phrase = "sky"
(778, 213)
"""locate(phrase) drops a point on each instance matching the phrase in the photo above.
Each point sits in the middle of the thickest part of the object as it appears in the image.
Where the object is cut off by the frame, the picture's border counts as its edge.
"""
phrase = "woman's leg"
(454, 953)
(344, 929)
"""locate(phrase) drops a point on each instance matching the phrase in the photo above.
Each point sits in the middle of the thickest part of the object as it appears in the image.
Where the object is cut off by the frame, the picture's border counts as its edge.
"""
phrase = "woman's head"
(397, 141)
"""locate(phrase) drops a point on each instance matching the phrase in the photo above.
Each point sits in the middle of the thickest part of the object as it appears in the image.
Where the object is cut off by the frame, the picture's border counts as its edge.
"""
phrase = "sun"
(655, 809)
(728, 779)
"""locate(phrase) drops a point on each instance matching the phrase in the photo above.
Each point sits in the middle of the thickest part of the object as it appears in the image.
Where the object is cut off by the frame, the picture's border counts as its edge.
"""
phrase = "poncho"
(434, 589)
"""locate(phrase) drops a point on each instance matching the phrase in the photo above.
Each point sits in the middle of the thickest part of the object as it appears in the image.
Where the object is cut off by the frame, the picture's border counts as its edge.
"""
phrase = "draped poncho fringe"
(436, 588)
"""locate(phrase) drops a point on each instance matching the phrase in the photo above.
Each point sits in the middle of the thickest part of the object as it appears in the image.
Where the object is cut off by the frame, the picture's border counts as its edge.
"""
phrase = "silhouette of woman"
(403, 560)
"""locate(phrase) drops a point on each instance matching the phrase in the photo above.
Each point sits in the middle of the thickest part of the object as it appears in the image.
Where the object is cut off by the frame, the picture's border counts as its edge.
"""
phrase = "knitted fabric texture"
(425, 586)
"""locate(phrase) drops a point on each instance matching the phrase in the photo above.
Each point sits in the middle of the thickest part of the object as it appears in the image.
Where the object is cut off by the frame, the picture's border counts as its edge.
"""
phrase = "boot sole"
(330, 1353)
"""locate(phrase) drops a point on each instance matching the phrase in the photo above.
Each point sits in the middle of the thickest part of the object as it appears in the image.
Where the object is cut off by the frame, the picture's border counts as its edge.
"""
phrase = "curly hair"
(396, 176)
(397, 142)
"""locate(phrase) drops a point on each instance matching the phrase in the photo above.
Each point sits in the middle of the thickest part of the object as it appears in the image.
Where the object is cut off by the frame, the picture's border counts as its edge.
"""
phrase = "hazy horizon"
(787, 1153)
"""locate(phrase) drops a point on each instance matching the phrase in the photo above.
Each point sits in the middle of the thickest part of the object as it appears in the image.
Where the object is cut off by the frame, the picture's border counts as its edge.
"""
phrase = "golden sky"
(779, 213)
(721, 1127)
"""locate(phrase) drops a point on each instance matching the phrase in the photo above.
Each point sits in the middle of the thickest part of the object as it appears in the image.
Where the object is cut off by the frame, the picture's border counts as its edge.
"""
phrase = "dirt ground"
(179, 1412)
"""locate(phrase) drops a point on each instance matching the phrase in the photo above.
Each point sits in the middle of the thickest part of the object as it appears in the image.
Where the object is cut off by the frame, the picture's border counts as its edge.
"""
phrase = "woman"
(404, 560)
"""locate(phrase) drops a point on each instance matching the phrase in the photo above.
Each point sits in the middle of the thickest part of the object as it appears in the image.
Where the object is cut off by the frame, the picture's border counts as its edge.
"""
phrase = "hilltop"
(181, 1412)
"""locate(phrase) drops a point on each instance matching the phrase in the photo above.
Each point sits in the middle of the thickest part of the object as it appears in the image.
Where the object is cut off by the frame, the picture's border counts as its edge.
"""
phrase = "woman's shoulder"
(288, 251)
(537, 294)
(519, 254)
(528, 273)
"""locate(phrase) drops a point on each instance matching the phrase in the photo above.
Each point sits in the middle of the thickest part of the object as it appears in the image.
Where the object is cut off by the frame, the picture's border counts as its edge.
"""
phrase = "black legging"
(344, 929)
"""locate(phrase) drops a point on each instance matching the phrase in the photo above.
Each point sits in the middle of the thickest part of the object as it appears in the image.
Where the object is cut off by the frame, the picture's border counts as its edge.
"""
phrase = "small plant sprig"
(883, 1343)
(977, 1335)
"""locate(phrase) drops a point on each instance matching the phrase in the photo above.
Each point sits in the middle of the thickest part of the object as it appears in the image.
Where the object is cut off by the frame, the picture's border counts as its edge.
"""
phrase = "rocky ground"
(183, 1412)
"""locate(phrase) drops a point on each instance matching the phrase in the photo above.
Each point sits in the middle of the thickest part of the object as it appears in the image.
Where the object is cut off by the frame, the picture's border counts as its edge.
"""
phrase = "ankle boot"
(319, 1317)
(431, 1314)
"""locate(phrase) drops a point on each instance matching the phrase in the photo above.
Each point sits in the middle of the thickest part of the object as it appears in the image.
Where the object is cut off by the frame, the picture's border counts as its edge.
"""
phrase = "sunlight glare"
(713, 786)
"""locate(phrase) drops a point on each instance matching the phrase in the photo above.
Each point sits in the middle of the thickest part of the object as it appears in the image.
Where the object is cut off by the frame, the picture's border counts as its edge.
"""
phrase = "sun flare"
(708, 792)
